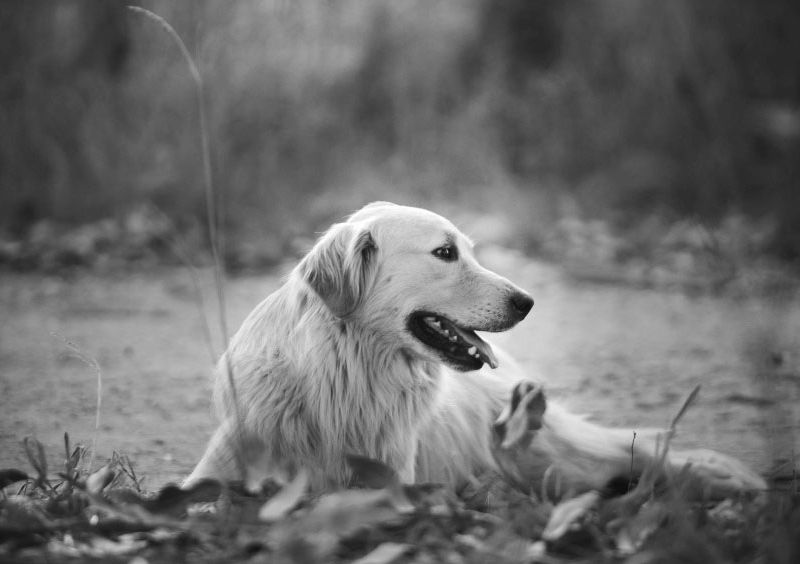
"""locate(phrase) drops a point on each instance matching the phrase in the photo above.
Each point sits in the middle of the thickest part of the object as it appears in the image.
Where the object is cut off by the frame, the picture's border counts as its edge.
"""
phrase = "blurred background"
(593, 133)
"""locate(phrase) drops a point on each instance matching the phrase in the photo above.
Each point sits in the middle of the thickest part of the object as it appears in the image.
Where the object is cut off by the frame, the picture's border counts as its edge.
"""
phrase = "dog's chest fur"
(356, 394)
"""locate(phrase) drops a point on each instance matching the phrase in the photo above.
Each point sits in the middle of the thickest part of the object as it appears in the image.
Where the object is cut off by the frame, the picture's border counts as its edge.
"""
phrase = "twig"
(630, 474)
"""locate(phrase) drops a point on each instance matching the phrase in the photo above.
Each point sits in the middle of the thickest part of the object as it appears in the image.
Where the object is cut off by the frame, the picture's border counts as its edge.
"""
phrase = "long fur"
(325, 366)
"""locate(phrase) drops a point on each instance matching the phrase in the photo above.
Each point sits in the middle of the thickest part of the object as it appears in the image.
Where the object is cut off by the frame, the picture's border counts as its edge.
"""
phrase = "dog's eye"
(447, 253)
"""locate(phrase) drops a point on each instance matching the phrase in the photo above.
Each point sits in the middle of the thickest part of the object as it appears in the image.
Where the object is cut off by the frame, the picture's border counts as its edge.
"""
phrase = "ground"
(622, 355)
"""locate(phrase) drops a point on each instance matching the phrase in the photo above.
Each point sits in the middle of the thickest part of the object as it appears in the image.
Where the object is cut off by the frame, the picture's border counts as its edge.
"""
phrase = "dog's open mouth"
(460, 346)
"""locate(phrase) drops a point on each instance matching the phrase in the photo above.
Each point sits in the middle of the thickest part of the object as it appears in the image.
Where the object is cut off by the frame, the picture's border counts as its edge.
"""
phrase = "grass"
(91, 362)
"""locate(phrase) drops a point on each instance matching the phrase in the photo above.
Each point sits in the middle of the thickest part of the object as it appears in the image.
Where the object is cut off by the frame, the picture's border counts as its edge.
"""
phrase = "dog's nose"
(521, 303)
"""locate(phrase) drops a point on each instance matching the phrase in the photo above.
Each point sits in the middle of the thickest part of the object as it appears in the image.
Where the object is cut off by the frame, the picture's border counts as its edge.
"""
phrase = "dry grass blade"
(123, 462)
(662, 449)
(684, 408)
(92, 363)
(659, 465)
(633, 454)
(35, 453)
(212, 204)
(72, 458)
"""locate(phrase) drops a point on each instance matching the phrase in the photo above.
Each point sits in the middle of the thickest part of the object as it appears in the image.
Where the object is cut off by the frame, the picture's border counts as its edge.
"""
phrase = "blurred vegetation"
(637, 114)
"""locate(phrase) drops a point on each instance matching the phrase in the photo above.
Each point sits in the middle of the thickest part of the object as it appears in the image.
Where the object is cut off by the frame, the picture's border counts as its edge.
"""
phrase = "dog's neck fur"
(376, 394)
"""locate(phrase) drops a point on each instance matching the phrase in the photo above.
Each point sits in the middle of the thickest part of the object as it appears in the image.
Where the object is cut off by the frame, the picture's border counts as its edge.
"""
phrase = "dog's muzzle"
(459, 345)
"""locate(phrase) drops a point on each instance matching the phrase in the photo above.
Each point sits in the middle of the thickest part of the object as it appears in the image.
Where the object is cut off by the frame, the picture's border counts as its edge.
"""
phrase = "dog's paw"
(521, 417)
(715, 475)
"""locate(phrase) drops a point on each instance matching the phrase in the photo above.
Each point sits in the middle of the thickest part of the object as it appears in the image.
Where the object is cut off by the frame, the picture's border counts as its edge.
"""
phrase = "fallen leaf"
(470, 542)
(636, 530)
(97, 481)
(336, 516)
(369, 473)
(125, 544)
(386, 553)
(23, 512)
(10, 476)
(568, 514)
(279, 505)
(171, 500)
(344, 512)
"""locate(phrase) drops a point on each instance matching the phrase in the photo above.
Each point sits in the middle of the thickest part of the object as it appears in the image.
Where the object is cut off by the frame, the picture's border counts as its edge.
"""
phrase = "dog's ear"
(340, 267)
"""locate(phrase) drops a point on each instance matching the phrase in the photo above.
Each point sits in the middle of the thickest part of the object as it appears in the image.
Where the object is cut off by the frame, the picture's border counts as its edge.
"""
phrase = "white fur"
(325, 366)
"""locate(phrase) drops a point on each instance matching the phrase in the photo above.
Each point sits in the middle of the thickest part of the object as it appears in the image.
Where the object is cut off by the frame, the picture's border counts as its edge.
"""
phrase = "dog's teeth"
(437, 323)
(472, 351)
(453, 338)
(446, 332)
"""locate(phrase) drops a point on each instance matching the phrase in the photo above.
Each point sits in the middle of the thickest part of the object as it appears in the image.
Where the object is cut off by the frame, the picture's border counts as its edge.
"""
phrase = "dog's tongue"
(485, 351)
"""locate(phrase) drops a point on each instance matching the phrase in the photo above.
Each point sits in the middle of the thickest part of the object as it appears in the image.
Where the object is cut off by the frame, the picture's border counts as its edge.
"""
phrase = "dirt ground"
(619, 354)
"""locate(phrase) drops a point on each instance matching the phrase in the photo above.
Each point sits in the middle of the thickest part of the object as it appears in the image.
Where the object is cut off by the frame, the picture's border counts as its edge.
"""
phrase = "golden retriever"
(370, 348)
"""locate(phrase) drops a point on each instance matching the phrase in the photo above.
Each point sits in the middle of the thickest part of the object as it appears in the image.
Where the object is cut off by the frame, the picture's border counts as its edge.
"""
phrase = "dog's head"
(410, 276)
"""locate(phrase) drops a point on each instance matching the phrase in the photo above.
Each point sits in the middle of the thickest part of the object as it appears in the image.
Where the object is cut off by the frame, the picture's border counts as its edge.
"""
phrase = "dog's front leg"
(512, 434)
(540, 446)
(219, 460)
(533, 440)
(232, 456)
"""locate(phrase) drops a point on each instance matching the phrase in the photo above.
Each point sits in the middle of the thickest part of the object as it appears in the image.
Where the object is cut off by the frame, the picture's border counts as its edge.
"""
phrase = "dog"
(370, 347)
